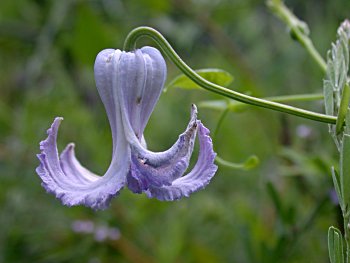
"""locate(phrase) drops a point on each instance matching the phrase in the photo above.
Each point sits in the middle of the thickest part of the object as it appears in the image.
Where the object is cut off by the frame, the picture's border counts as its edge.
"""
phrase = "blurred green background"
(278, 212)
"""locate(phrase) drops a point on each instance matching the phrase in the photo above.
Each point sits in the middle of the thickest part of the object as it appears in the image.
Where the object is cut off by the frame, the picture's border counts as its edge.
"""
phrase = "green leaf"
(337, 68)
(335, 245)
(347, 123)
(336, 97)
(343, 109)
(337, 187)
(345, 171)
(328, 97)
(217, 76)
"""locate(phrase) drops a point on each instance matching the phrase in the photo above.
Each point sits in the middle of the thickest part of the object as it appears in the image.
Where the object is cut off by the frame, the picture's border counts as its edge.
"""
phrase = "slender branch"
(299, 30)
(285, 98)
(139, 32)
(232, 105)
(248, 164)
(297, 97)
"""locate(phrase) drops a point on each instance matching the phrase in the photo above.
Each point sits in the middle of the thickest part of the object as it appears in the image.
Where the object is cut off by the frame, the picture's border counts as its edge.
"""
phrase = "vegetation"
(277, 211)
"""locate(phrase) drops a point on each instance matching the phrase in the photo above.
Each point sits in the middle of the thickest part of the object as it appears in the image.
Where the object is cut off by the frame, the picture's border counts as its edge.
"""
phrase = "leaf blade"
(345, 171)
(216, 76)
(335, 245)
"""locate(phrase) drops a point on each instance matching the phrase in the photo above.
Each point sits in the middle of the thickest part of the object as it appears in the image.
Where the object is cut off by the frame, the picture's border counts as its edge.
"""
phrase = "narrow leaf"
(335, 245)
(328, 97)
(345, 171)
(217, 76)
(335, 87)
(337, 187)
(347, 123)
(343, 109)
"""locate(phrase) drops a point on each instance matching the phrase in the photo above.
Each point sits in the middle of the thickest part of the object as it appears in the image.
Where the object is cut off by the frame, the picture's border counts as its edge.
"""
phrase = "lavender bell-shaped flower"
(129, 84)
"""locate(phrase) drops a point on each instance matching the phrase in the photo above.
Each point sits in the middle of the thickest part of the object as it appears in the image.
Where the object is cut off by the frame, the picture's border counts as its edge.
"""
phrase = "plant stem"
(285, 98)
(233, 105)
(139, 32)
(297, 97)
(298, 29)
(248, 164)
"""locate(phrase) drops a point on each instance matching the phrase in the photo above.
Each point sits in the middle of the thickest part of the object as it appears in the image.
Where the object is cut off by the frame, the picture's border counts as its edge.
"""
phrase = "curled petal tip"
(194, 110)
(72, 183)
(57, 121)
(161, 175)
(161, 169)
(197, 179)
(193, 120)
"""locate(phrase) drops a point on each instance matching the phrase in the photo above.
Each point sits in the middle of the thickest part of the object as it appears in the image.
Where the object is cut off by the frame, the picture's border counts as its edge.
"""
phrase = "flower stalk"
(164, 45)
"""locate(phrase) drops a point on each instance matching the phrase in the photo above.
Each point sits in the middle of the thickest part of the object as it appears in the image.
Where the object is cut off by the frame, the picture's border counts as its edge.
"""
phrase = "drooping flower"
(129, 84)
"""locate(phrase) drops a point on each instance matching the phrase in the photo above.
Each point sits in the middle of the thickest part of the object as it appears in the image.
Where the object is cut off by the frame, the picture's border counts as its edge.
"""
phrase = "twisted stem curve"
(158, 38)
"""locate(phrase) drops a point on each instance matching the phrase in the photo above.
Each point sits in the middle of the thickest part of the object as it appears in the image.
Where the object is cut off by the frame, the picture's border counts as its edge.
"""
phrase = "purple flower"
(129, 84)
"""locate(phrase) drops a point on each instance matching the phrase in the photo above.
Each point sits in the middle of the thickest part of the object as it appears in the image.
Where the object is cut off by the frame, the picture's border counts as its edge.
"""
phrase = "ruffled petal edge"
(76, 186)
(197, 179)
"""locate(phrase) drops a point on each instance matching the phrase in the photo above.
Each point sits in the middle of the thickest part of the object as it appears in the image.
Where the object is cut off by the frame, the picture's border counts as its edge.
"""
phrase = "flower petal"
(197, 179)
(65, 176)
(156, 76)
(74, 184)
(162, 168)
(72, 167)
(141, 77)
(105, 70)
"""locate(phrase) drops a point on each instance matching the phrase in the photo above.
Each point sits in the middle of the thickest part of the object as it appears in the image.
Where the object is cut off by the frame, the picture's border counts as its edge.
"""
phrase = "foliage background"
(277, 212)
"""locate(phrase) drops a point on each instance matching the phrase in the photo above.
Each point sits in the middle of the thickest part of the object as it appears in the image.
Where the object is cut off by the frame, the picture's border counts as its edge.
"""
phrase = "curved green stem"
(239, 106)
(248, 164)
(284, 98)
(135, 34)
(297, 97)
